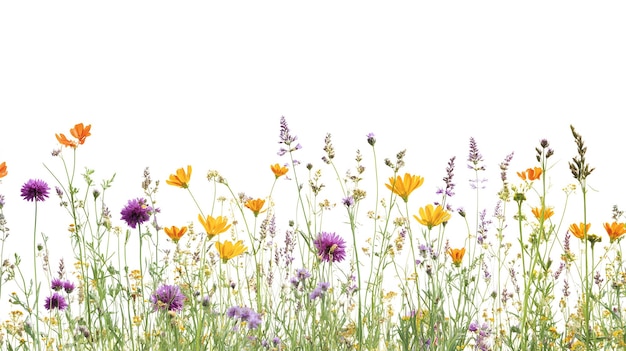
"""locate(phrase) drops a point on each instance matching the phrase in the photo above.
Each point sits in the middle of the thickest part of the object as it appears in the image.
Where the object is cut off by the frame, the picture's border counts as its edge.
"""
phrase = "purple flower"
(348, 201)
(245, 314)
(168, 297)
(68, 286)
(321, 288)
(330, 247)
(1, 201)
(136, 212)
(55, 301)
(371, 139)
(35, 190)
(56, 284)
(475, 158)
(303, 273)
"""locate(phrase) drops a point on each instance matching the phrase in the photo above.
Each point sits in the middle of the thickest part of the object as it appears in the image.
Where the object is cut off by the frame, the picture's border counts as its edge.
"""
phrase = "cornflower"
(56, 301)
(35, 190)
(403, 187)
(330, 247)
(167, 298)
(181, 178)
(136, 212)
(431, 216)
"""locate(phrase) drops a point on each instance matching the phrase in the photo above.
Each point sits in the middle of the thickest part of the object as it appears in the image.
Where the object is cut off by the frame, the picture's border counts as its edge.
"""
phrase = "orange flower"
(180, 179)
(530, 174)
(80, 132)
(214, 226)
(278, 170)
(228, 250)
(255, 206)
(457, 255)
(3, 170)
(432, 216)
(544, 213)
(579, 230)
(174, 233)
(404, 187)
(615, 230)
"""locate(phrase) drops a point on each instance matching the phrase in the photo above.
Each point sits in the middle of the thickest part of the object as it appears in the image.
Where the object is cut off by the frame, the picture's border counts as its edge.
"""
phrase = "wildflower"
(530, 174)
(3, 170)
(245, 314)
(279, 170)
(181, 178)
(348, 201)
(136, 212)
(475, 158)
(371, 139)
(228, 250)
(456, 255)
(580, 230)
(542, 213)
(175, 233)
(255, 205)
(80, 132)
(404, 187)
(615, 230)
(214, 226)
(168, 298)
(55, 301)
(68, 286)
(56, 284)
(431, 216)
(330, 247)
(35, 190)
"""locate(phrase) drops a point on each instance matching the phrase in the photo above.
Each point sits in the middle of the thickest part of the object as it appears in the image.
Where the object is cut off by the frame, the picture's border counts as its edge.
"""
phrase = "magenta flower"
(136, 212)
(35, 190)
(330, 247)
(55, 301)
(168, 298)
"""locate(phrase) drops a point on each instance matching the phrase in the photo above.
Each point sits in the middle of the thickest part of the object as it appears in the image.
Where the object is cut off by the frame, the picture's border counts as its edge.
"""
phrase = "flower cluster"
(245, 316)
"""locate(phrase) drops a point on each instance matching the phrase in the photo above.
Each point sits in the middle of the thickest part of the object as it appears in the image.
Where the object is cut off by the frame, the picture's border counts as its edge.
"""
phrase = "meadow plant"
(360, 259)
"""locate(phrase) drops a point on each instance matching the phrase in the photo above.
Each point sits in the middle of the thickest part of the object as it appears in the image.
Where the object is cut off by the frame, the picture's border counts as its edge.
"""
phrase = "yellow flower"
(432, 216)
(542, 212)
(530, 174)
(278, 170)
(457, 255)
(214, 226)
(615, 230)
(228, 250)
(404, 187)
(174, 233)
(255, 206)
(180, 179)
(579, 230)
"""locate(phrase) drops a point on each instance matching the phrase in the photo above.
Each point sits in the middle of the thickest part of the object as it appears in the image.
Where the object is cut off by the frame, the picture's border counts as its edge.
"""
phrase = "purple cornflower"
(168, 298)
(55, 301)
(245, 314)
(302, 274)
(68, 286)
(35, 190)
(371, 139)
(136, 212)
(348, 201)
(330, 247)
(319, 290)
(56, 284)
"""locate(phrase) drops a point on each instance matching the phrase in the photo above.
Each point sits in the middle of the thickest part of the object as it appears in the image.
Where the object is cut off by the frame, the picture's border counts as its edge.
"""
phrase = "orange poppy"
(615, 230)
(456, 255)
(80, 132)
(403, 187)
(255, 205)
(180, 179)
(3, 169)
(530, 174)
(175, 233)
(279, 170)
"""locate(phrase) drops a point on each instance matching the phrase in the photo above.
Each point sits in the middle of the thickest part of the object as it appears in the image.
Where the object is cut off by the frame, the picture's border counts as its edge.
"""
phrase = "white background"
(166, 84)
